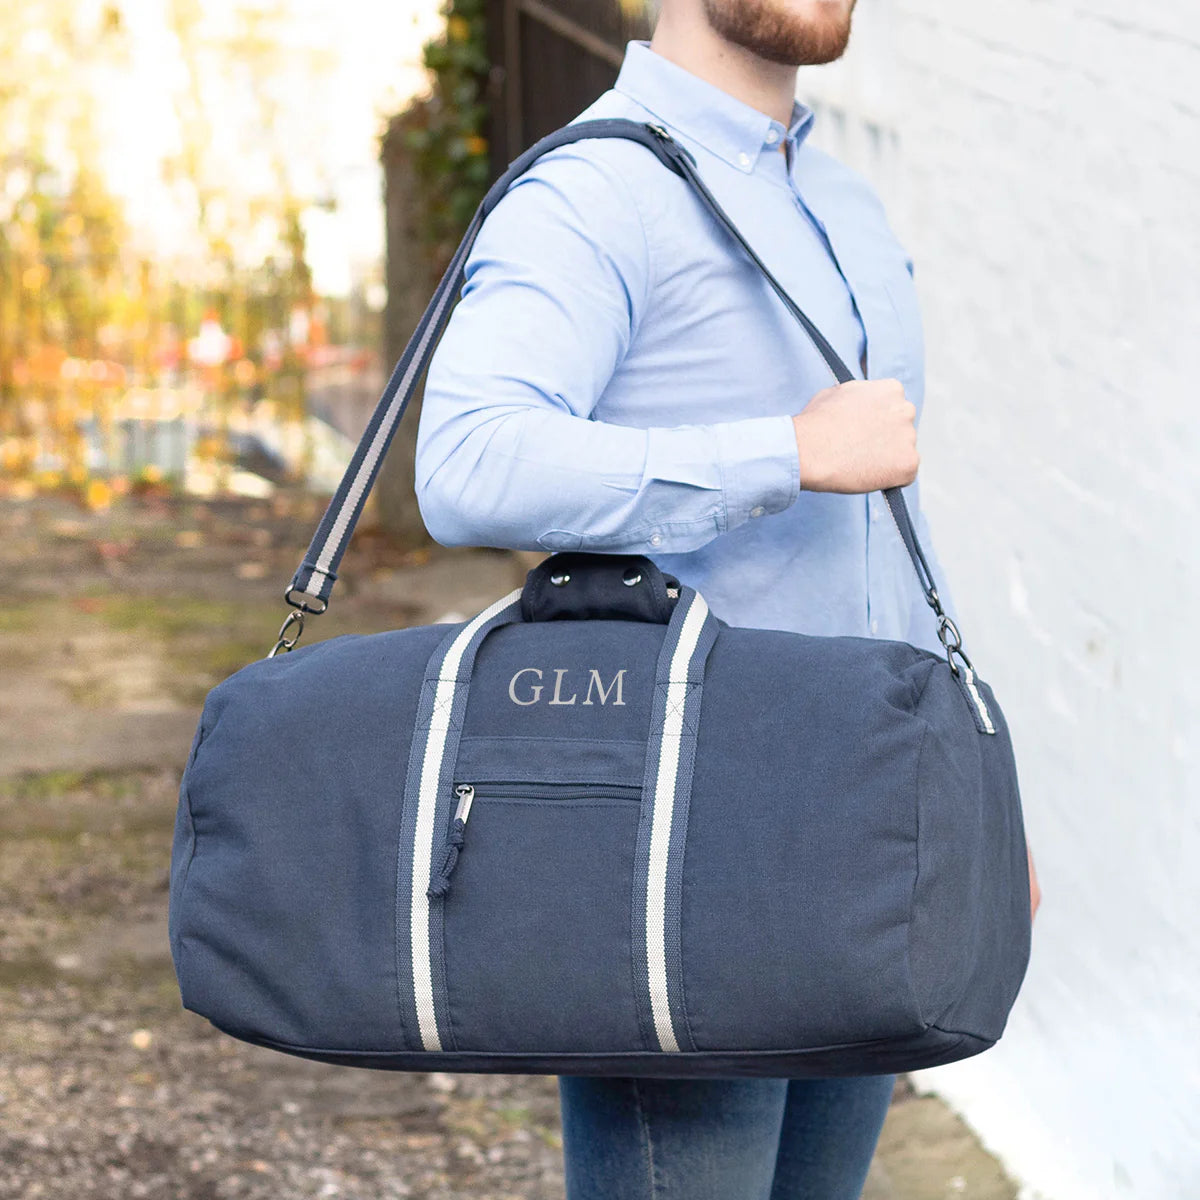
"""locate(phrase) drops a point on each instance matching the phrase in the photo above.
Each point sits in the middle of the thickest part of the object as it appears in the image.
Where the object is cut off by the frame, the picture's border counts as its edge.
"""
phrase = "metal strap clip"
(282, 641)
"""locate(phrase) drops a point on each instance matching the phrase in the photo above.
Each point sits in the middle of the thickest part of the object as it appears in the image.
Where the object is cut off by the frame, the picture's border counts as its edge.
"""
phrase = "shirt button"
(744, 159)
(874, 624)
(772, 136)
(656, 539)
(757, 510)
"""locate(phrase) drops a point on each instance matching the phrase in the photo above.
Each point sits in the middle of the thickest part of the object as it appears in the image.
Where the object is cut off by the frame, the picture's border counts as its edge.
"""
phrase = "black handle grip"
(576, 586)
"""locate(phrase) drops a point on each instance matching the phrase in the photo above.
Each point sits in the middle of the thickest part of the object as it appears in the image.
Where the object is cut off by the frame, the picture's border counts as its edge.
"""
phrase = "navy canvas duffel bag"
(597, 830)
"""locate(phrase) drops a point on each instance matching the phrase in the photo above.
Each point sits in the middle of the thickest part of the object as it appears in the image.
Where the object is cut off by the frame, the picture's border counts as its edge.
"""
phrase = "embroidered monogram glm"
(532, 687)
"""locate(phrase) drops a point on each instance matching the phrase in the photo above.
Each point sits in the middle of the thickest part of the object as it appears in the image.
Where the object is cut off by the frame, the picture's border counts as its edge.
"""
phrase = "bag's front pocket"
(537, 917)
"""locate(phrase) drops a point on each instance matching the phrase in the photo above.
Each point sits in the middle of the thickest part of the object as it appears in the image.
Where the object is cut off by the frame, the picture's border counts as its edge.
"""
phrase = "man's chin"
(781, 31)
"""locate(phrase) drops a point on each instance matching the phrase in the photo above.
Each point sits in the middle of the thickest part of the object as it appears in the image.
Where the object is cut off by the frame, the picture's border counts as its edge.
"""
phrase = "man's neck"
(688, 41)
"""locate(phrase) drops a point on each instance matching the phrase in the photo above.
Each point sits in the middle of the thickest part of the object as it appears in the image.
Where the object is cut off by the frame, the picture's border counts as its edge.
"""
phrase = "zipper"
(506, 789)
(466, 797)
(439, 884)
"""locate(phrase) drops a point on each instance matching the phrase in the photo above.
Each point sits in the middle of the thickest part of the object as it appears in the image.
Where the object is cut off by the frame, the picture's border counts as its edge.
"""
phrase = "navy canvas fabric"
(595, 830)
(843, 885)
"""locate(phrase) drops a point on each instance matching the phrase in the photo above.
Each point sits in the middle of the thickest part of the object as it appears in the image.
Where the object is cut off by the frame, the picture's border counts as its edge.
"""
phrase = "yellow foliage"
(458, 29)
(98, 495)
(12, 456)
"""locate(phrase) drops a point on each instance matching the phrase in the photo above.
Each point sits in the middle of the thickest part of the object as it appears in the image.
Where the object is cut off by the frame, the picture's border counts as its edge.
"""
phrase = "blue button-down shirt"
(618, 377)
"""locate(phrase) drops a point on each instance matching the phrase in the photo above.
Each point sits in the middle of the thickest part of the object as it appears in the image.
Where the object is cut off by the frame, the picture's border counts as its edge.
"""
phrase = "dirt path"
(112, 629)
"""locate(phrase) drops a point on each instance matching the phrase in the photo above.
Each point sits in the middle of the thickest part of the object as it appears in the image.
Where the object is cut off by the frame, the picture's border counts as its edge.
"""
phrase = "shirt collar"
(699, 110)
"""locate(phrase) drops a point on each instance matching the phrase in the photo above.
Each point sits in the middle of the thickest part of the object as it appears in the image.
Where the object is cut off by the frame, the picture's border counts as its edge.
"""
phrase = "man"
(618, 377)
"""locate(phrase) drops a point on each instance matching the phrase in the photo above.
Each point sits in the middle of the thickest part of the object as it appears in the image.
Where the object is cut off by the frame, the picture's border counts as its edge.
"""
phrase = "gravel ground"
(113, 630)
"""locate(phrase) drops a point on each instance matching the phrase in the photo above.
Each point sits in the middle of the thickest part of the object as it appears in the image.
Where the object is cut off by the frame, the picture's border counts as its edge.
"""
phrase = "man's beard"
(771, 30)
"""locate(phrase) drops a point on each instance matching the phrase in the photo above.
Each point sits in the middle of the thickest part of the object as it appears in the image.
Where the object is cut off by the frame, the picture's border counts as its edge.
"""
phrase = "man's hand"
(1035, 892)
(859, 436)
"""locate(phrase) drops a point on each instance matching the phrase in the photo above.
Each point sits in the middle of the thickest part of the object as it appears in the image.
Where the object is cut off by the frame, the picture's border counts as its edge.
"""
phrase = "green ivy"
(445, 133)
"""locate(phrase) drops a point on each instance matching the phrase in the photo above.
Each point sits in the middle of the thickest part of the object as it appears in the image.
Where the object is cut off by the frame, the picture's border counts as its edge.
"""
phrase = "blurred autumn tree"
(60, 230)
(91, 305)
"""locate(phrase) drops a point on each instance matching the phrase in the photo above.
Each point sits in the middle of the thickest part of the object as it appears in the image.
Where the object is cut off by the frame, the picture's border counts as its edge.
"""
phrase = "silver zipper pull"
(439, 884)
(466, 795)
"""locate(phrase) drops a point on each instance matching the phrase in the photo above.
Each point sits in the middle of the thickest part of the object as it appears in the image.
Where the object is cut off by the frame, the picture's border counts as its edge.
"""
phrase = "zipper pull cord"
(439, 885)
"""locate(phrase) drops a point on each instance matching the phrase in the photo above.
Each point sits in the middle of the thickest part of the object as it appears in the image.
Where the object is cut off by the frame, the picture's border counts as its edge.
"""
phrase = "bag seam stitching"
(912, 902)
(191, 819)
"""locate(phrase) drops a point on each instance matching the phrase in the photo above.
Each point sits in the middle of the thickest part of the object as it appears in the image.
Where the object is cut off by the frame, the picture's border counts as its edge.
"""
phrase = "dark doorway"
(551, 59)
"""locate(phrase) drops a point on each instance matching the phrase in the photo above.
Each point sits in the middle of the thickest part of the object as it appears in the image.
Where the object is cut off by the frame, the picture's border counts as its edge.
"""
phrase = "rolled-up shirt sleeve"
(509, 451)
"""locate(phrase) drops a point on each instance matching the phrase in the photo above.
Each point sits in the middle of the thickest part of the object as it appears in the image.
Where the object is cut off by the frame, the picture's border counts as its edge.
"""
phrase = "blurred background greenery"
(191, 247)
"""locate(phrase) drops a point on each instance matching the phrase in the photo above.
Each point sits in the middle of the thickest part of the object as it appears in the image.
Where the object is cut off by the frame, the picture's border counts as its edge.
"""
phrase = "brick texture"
(1047, 184)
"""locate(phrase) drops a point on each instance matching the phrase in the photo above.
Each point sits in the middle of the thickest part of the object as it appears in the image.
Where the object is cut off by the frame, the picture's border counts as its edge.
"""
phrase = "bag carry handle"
(578, 586)
(310, 588)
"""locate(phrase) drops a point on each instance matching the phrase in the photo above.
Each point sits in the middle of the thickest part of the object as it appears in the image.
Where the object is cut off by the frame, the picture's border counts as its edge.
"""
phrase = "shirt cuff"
(760, 467)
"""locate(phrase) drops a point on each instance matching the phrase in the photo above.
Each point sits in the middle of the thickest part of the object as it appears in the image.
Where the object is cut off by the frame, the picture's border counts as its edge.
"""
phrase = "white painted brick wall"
(1047, 183)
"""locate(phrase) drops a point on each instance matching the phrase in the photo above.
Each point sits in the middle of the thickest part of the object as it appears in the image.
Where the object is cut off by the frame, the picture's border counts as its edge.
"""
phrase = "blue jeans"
(721, 1139)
